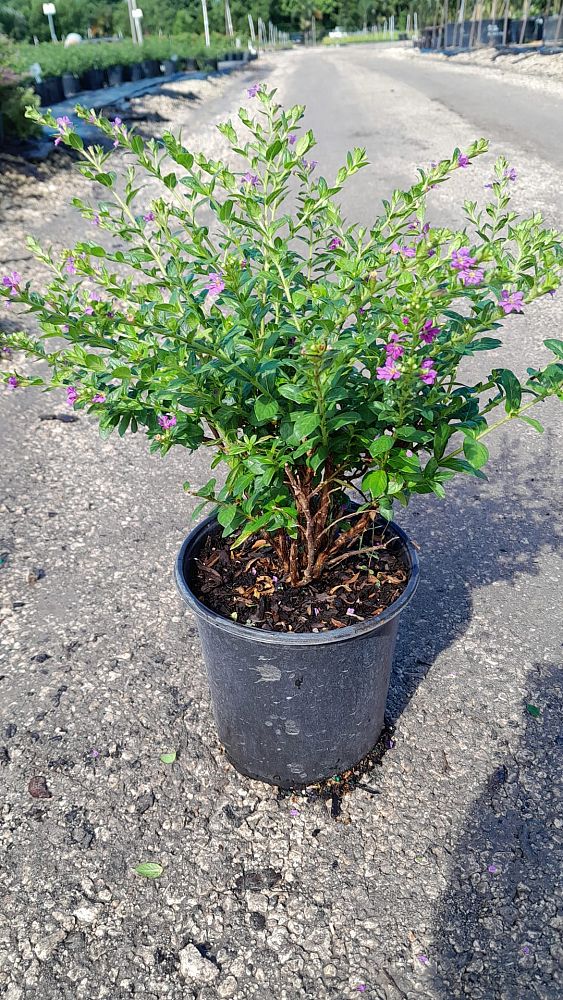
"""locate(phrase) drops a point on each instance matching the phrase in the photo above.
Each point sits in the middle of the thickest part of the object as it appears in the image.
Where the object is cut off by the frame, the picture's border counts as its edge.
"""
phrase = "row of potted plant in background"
(65, 72)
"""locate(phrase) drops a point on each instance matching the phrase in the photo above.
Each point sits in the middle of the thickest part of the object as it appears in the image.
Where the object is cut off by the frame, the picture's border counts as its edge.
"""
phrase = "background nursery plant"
(238, 311)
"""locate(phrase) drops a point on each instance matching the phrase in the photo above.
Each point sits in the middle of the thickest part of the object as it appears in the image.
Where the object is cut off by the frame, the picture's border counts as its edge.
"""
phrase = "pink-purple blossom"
(393, 349)
(88, 311)
(511, 302)
(428, 374)
(249, 178)
(96, 220)
(117, 129)
(292, 139)
(309, 164)
(423, 959)
(511, 174)
(429, 332)
(12, 281)
(388, 372)
(166, 421)
(253, 90)
(463, 160)
(71, 395)
(99, 398)
(63, 124)
(335, 243)
(149, 216)
(215, 285)
(466, 266)
(473, 277)
(70, 265)
(12, 382)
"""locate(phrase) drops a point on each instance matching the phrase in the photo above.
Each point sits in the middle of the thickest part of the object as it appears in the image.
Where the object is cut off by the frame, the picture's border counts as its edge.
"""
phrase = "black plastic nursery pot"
(136, 72)
(92, 79)
(151, 68)
(293, 709)
(114, 75)
(71, 85)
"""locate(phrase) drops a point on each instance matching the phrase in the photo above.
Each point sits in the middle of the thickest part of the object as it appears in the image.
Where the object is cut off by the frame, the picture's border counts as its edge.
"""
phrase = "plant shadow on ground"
(496, 931)
(471, 540)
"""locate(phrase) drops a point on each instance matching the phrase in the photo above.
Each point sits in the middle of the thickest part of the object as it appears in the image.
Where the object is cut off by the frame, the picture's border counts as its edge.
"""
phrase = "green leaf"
(532, 422)
(441, 437)
(375, 483)
(304, 424)
(512, 388)
(226, 515)
(168, 758)
(293, 392)
(381, 446)
(149, 869)
(555, 345)
(534, 711)
(475, 452)
(265, 409)
(302, 145)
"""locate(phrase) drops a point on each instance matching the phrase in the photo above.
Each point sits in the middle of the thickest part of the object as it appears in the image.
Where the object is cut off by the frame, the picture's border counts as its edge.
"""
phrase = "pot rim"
(294, 638)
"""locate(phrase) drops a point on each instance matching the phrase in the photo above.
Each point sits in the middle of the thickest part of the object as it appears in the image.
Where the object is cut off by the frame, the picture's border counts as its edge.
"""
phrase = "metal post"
(505, 28)
(559, 20)
(205, 23)
(314, 30)
(251, 27)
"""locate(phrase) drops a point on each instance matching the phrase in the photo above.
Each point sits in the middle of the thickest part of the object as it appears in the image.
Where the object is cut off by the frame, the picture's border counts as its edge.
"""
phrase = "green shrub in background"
(15, 96)
(55, 60)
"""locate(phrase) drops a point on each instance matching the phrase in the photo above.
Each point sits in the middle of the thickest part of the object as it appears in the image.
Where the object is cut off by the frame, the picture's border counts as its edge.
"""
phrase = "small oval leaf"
(168, 758)
(149, 869)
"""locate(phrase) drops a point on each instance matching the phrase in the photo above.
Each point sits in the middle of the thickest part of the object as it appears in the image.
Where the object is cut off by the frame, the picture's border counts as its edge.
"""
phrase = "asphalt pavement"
(439, 879)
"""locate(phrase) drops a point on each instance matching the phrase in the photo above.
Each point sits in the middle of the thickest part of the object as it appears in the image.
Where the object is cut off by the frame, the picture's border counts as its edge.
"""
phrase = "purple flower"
(96, 220)
(94, 753)
(316, 612)
(167, 421)
(88, 311)
(99, 398)
(388, 372)
(428, 374)
(510, 173)
(361, 988)
(335, 243)
(63, 124)
(462, 259)
(511, 302)
(423, 959)
(215, 285)
(364, 309)
(472, 277)
(12, 281)
(488, 185)
(116, 122)
(309, 164)
(405, 320)
(526, 949)
(71, 395)
(92, 117)
(351, 612)
(251, 179)
(13, 382)
(408, 252)
(429, 332)
(294, 812)
(148, 216)
(395, 247)
(70, 267)
(492, 869)
(65, 328)
(292, 139)
(253, 90)
(463, 160)
(393, 349)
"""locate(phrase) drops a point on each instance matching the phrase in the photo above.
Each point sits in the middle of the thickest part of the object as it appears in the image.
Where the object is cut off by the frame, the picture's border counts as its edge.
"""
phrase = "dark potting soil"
(248, 585)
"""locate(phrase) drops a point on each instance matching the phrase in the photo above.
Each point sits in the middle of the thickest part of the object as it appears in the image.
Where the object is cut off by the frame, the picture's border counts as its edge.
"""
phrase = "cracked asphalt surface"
(440, 877)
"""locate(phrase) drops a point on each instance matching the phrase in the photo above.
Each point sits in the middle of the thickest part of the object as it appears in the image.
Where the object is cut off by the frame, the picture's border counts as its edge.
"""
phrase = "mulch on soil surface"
(248, 586)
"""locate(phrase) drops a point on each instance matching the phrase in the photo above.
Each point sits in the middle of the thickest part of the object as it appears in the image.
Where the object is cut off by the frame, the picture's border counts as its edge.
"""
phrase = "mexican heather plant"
(239, 312)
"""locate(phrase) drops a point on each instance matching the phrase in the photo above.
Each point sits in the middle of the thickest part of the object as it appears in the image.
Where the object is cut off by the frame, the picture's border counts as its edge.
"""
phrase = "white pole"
(314, 30)
(205, 23)
(228, 19)
(132, 25)
(251, 26)
(52, 28)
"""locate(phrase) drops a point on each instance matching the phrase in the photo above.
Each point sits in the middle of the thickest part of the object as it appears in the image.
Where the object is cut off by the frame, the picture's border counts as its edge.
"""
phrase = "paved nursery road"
(438, 880)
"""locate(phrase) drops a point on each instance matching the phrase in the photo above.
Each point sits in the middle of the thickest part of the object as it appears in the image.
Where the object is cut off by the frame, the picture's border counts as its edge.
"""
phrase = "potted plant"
(320, 364)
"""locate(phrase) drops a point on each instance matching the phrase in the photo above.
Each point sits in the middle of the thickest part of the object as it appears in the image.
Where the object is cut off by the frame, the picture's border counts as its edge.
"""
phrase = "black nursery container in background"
(71, 85)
